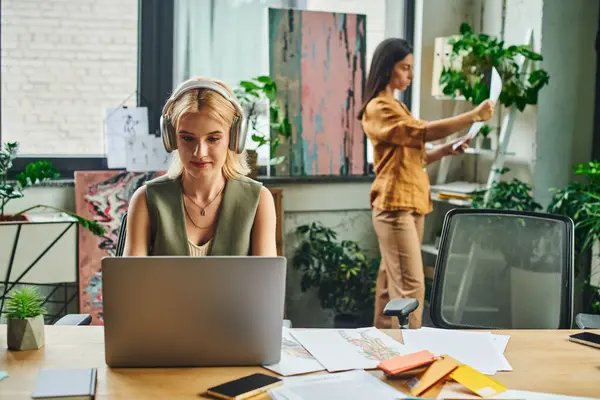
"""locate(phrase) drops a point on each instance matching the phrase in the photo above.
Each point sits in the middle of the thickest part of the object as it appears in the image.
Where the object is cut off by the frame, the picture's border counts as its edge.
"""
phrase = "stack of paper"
(295, 359)
(341, 386)
(346, 349)
(483, 351)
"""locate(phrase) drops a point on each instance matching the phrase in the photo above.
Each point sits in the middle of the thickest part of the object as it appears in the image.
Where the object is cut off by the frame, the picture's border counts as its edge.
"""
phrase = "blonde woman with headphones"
(204, 205)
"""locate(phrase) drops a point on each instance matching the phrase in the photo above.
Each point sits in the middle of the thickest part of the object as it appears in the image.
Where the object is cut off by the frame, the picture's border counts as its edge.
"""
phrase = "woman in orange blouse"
(400, 195)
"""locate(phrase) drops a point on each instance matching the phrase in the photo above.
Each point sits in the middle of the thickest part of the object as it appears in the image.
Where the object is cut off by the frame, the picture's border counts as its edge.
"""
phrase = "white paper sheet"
(500, 342)
(349, 385)
(346, 349)
(121, 128)
(456, 390)
(295, 359)
(475, 349)
(495, 90)
(147, 153)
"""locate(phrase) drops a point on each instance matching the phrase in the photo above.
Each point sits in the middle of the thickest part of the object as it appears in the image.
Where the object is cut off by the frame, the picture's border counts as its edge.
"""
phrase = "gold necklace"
(203, 209)
(193, 222)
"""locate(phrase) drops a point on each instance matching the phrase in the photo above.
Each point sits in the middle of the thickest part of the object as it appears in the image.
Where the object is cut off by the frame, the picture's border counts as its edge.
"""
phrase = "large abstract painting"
(104, 197)
(317, 60)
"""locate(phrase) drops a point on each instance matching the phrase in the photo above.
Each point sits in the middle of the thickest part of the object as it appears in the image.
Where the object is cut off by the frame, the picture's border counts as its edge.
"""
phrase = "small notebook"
(68, 384)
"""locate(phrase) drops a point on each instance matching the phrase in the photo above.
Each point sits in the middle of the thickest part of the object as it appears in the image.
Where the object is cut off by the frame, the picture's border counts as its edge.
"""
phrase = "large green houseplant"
(478, 54)
(254, 94)
(580, 200)
(342, 274)
(25, 316)
(34, 174)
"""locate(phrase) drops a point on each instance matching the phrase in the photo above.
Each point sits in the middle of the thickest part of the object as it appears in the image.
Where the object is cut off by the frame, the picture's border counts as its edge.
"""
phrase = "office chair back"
(504, 269)
(122, 233)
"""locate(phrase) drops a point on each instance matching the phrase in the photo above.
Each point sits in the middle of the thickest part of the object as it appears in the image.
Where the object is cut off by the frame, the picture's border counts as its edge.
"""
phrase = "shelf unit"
(499, 154)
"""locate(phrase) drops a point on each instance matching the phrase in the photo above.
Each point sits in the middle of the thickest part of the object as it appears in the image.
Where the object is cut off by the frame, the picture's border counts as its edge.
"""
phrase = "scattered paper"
(500, 342)
(349, 385)
(122, 126)
(147, 153)
(346, 349)
(456, 390)
(3, 374)
(495, 86)
(295, 359)
(495, 90)
(476, 349)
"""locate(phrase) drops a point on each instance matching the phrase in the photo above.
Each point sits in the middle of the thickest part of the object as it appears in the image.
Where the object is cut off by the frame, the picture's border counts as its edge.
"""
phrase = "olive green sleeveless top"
(234, 223)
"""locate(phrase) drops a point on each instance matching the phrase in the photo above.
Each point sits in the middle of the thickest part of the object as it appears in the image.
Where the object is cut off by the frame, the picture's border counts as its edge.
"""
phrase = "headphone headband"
(237, 137)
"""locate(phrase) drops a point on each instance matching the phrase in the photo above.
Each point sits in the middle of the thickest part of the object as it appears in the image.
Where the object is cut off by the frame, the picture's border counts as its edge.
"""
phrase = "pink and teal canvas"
(317, 60)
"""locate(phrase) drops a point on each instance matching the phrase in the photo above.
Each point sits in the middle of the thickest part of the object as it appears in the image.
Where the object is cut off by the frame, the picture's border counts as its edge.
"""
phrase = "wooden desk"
(543, 361)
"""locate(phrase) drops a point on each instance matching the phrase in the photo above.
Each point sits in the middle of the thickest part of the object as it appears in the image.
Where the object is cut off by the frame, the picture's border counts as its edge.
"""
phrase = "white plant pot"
(25, 334)
(531, 306)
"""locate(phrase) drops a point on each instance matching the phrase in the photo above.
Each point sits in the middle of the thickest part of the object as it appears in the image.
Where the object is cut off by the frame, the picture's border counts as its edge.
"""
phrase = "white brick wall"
(63, 63)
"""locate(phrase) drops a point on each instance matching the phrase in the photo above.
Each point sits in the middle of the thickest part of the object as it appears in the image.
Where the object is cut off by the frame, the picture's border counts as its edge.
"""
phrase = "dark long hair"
(385, 57)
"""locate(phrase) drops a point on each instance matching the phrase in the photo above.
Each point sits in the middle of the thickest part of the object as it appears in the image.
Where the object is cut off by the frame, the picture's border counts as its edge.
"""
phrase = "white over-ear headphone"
(239, 128)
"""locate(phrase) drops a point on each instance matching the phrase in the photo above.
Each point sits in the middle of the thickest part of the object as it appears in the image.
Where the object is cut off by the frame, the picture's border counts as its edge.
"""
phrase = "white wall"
(566, 111)
(63, 63)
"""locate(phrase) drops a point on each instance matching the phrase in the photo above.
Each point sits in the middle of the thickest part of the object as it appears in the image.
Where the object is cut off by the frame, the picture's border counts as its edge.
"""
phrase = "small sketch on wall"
(123, 126)
(147, 154)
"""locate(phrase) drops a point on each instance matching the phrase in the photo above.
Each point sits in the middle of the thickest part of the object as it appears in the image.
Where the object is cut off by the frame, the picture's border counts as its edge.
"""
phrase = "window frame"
(154, 82)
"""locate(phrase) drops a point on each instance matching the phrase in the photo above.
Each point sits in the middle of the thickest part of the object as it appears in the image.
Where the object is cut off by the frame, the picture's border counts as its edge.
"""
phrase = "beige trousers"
(400, 234)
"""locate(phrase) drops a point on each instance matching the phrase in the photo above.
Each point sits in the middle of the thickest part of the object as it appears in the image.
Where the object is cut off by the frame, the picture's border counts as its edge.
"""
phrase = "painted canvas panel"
(104, 197)
(317, 60)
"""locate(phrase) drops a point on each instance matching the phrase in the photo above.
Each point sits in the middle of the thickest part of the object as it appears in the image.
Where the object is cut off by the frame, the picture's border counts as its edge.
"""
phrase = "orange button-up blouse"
(401, 181)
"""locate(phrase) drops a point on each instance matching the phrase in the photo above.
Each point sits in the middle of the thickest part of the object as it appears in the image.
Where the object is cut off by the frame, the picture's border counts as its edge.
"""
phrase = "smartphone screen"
(249, 385)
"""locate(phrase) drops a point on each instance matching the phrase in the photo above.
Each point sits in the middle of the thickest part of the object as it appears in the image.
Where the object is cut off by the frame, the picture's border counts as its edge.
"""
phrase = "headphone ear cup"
(242, 131)
(168, 134)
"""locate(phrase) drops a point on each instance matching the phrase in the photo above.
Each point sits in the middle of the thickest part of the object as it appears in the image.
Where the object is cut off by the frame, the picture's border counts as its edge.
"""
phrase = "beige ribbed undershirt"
(198, 251)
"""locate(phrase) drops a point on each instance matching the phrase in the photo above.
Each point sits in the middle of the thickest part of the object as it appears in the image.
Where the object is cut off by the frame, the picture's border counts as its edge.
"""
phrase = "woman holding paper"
(400, 195)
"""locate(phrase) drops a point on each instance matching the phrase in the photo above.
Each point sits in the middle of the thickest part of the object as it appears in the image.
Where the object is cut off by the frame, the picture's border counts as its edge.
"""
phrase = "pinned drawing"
(123, 127)
(147, 153)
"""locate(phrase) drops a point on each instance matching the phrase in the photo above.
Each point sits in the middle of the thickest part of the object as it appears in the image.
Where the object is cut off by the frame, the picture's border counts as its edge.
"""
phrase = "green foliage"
(504, 195)
(479, 54)
(251, 94)
(343, 275)
(581, 202)
(35, 173)
(25, 303)
(7, 191)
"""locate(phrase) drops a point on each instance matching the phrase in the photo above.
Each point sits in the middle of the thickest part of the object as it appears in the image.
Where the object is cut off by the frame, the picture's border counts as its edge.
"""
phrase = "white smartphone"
(587, 338)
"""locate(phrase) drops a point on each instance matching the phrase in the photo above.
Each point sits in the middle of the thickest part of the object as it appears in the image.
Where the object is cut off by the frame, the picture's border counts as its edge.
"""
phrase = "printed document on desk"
(476, 349)
(495, 90)
(346, 349)
(295, 359)
(350, 385)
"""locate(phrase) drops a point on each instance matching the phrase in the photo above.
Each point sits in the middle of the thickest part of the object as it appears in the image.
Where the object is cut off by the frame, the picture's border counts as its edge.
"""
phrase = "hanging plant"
(479, 53)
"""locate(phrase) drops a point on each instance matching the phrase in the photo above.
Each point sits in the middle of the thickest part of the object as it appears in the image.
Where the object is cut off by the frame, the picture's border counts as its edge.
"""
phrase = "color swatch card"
(478, 383)
(346, 349)
(295, 359)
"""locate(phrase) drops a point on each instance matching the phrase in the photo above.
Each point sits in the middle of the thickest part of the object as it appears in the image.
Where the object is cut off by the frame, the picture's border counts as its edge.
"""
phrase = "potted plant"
(342, 274)
(34, 174)
(580, 200)
(25, 315)
(259, 96)
(469, 72)
(523, 264)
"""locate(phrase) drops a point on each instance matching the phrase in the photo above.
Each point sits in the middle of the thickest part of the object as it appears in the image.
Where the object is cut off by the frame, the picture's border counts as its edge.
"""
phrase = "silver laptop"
(192, 311)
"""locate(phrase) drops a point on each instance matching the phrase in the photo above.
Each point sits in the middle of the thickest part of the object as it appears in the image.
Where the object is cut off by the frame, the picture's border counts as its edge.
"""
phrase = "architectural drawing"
(370, 347)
